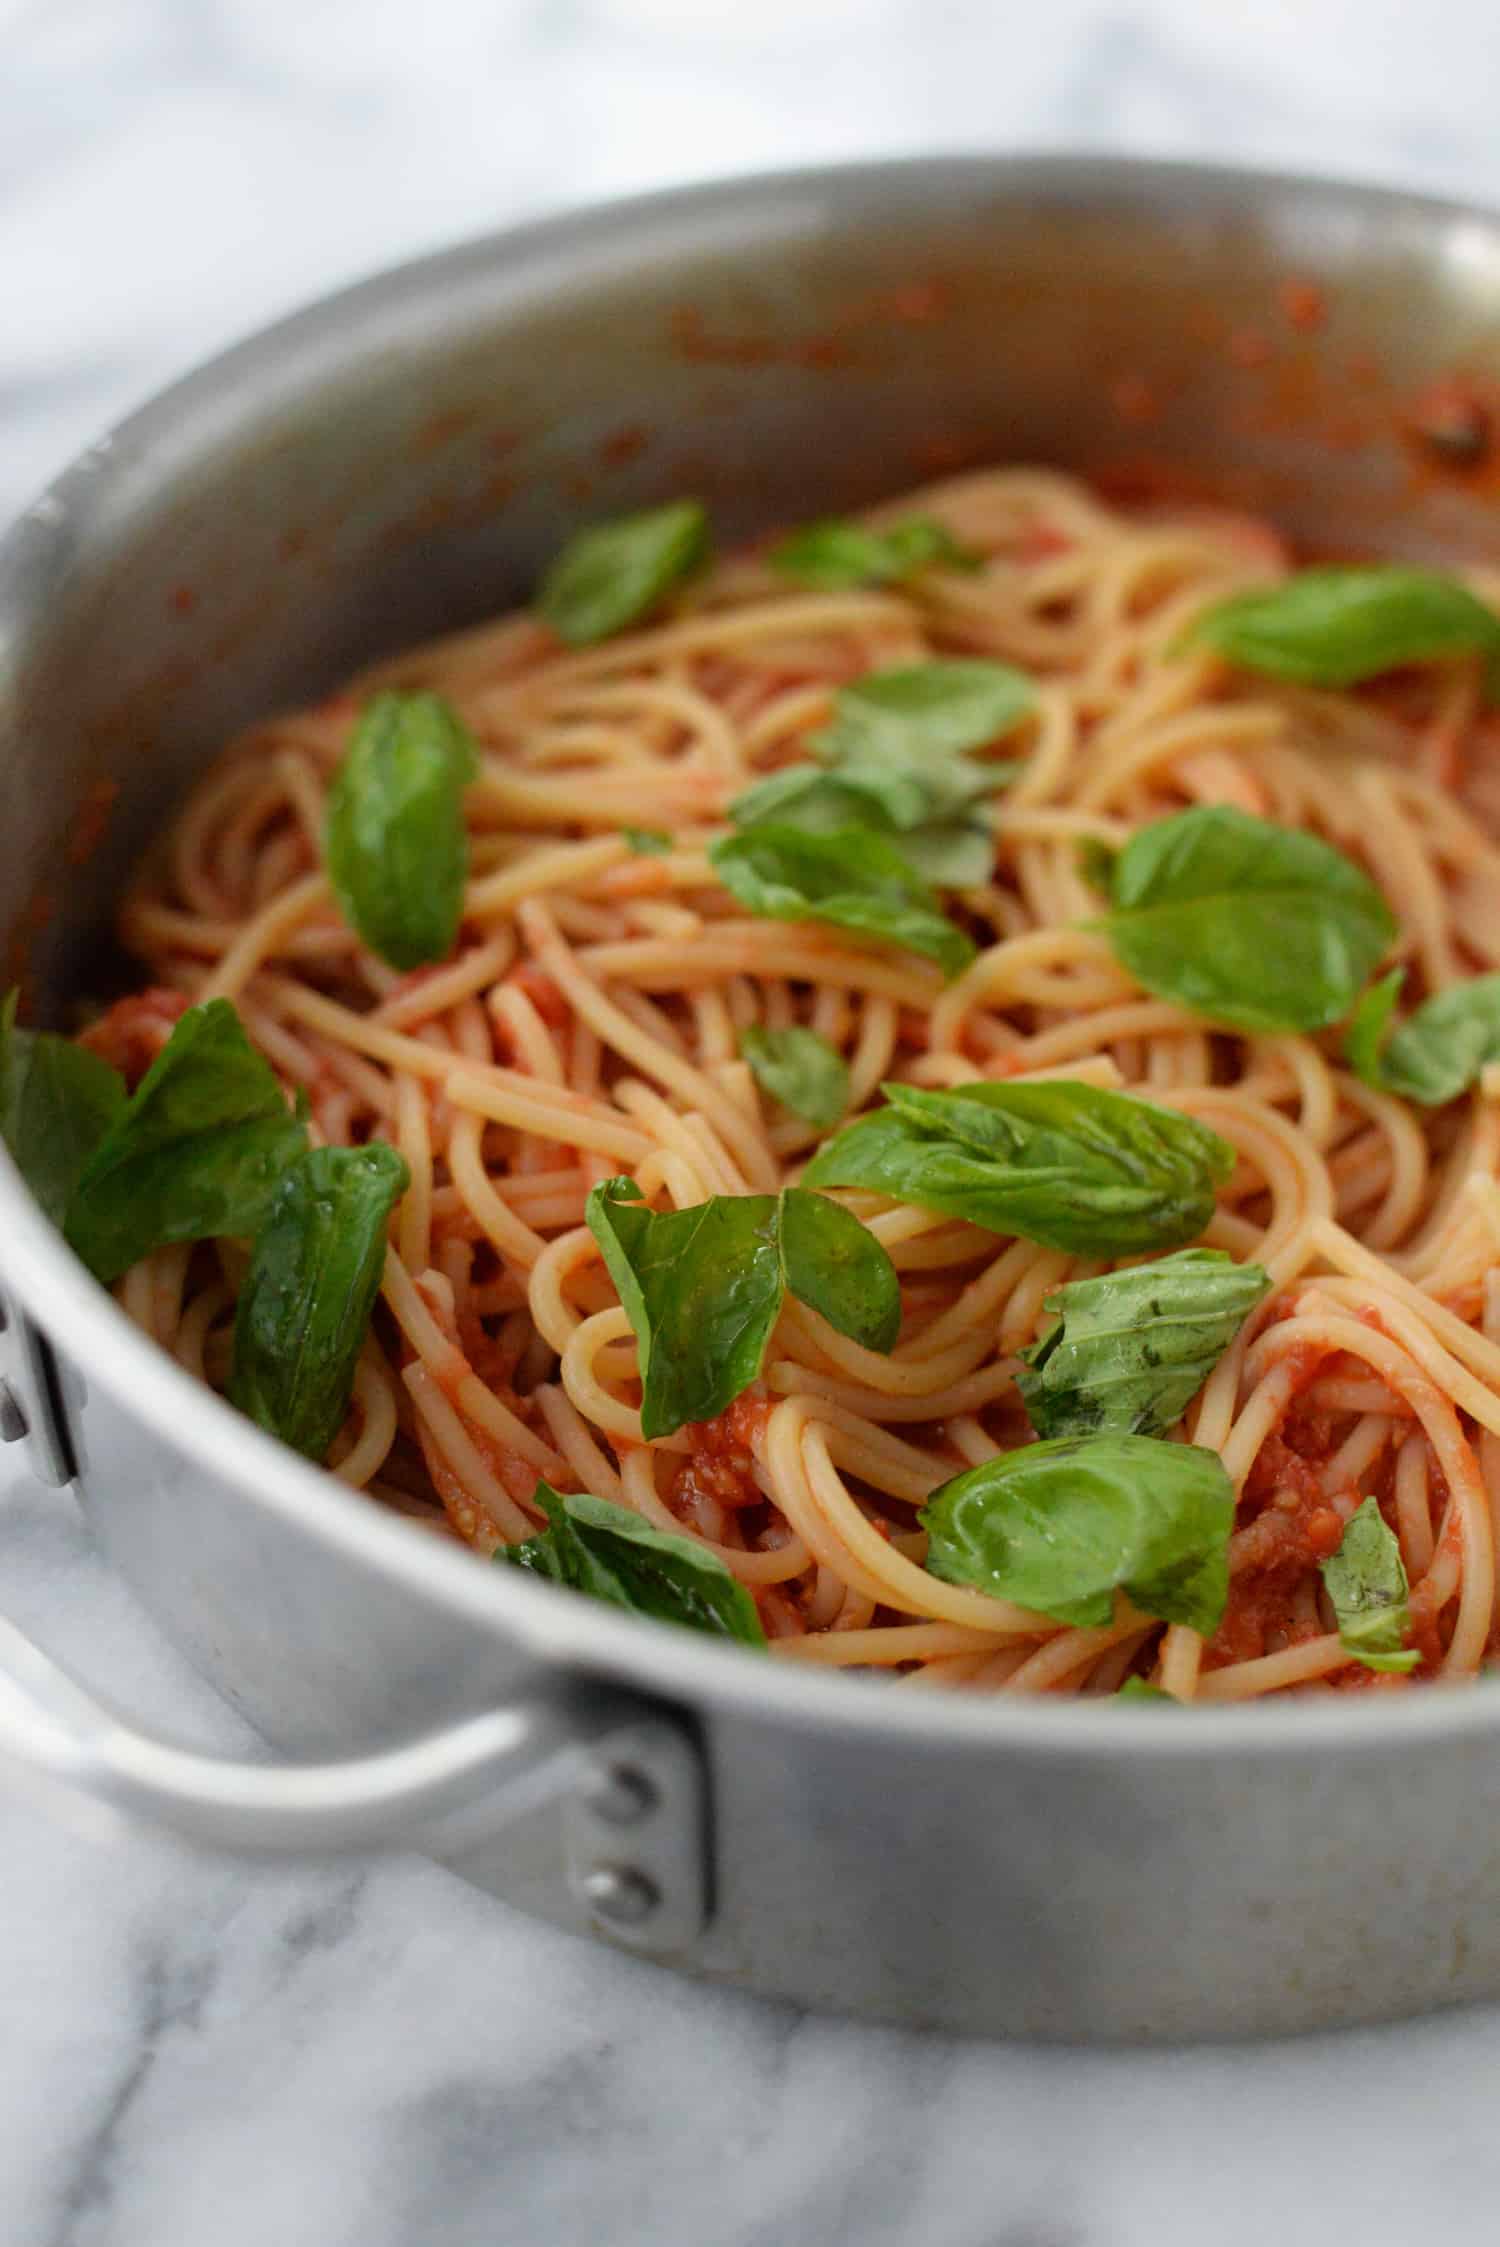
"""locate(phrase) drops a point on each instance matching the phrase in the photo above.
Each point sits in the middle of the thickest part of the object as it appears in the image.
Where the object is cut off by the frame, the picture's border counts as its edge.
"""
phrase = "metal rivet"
(620, 1794)
(620, 1893)
(12, 1418)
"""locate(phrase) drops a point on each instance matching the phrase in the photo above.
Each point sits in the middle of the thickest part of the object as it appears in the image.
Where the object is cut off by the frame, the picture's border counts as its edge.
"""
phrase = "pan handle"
(632, 1776)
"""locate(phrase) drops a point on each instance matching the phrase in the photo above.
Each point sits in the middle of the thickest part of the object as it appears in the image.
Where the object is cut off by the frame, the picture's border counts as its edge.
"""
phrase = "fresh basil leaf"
(195, 1154)
(304, 1308)
(839, 1269)
(1136, 1689)
(951, 853)
(1071, 1165)
(1337, 627)
(1366, 1581)
(57, 1102)
(615, 574)
(1438, 1052)
(702, 1289)
(1131, 1350)
(853, 879)
(1255, 926)
(394, 837)
(895, 761)
(801, 1070)
(1061, 1527)
(935, 711)
(648, 842)
(834, 554)
(608, 1552)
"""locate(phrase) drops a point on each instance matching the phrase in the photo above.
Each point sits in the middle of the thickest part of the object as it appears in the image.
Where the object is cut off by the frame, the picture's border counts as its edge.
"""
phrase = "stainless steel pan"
(400, 460)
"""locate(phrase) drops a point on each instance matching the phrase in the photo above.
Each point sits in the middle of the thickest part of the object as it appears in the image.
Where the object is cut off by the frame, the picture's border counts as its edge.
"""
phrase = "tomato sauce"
(131, 1035)
(720, 1466)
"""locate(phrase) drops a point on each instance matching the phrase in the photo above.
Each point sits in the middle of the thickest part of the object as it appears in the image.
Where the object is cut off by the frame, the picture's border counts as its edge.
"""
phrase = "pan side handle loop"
(630, 1774)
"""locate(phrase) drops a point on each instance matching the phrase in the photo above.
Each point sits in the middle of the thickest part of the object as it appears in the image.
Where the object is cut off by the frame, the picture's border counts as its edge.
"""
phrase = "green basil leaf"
(615, 574)
(702, 1289)
(935, 711)
(196, 1153)
(608, 1552)
(305, 1305)
(834, 554)
(648, 842)
(1096, 863)
(853, 879)
(1337, 627)
(394, 837)
(801, 1070)
(1256, 926)
(839, 1269)
(1071, 1165)
(1438, 1052)
(951, 853)
(1131, 1350)
(58, 1101)
(1136, 1689)
(1366, 1581)
(1061, 1527)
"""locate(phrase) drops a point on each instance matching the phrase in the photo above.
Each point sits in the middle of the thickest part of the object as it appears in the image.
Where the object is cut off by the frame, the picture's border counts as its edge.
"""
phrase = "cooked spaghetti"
(590, 1020)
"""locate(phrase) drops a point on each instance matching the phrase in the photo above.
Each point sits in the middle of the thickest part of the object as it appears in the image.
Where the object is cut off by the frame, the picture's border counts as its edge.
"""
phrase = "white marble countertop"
(198, 2051)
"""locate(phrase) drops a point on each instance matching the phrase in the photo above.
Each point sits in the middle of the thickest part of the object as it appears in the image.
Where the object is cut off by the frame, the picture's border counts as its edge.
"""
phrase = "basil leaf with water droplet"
(1061, 1527)
(305, 1305)
(839, 1269)
(1131, 1349)
(194, 1155)
(703, 1287)
(58, 1102)
(395, 840)
(1071, 1165)
(1256, 926)
(1339, 626)
(852, 879)
(801, 1070)
(835, 554)
(617, 573)
(608, 1552)
(1438, 1052)
(1366, 1582)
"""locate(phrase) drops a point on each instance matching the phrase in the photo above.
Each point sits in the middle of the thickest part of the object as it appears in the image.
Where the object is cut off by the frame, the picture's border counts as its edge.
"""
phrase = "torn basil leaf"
(1337, 627)
(703, 1287)
(1438, 1052)
(1131, 1349)
(1256, 926)
(836, 554)
(58, 1102)
(852, 879)
(801, 1070)
(305, 1305)
(1097, 1173)
(1061, 1527)
(1366, 1583)
(610, 1553)
(839, 1269)
(618, 573)
(395, 841)
(194, 1155)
